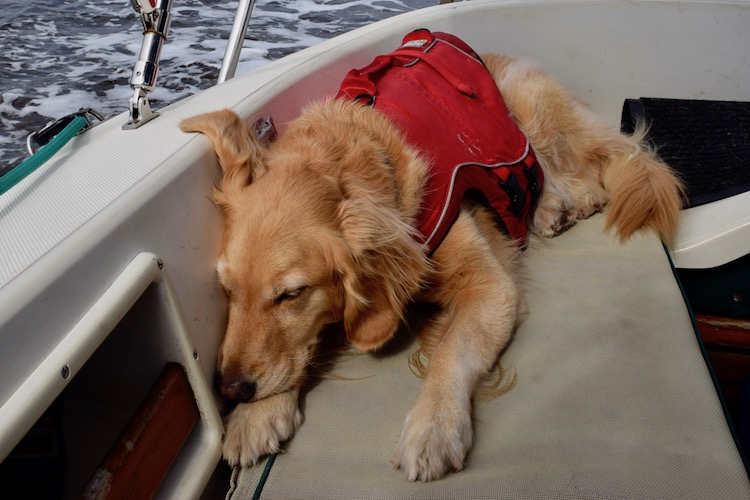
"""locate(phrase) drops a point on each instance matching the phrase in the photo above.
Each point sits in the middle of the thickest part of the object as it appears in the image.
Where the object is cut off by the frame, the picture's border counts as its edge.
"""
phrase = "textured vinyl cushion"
(613, 399)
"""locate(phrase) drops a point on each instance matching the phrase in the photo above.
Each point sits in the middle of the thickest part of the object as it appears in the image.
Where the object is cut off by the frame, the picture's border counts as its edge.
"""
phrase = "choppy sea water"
(57, 56)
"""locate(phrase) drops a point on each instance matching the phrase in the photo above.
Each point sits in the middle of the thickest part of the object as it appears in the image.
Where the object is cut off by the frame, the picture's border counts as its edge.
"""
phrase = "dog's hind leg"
(480, 302)
(587, 162)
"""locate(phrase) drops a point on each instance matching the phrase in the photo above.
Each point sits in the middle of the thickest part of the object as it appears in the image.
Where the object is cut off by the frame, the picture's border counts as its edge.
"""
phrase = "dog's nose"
(238, 390)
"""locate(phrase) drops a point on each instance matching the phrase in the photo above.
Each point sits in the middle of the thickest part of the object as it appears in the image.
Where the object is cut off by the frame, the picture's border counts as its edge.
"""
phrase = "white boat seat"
(613, 400)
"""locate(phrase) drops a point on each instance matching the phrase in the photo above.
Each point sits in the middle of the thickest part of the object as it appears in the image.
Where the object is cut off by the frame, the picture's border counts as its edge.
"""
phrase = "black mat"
(706, 142)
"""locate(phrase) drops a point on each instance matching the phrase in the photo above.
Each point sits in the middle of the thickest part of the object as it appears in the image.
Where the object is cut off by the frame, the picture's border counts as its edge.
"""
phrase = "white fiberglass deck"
(69, 230)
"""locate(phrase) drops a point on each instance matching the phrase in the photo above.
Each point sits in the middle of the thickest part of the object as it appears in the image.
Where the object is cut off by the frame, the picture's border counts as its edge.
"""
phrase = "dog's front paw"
(256, 429)
(434, 441)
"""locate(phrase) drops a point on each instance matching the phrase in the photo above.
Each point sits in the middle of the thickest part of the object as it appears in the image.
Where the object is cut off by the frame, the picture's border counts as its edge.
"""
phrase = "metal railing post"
(156, 18)
(236, 38)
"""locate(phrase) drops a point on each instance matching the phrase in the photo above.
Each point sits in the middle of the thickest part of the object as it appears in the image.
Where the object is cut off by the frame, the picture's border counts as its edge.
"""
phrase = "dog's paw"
(588, 210)
(552, 219)
(434, 441)
(591, 202)
(256, 429)
(554, 214)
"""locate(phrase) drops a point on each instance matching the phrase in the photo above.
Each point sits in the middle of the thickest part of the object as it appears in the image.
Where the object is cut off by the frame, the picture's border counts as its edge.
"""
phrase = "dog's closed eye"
(291, 294)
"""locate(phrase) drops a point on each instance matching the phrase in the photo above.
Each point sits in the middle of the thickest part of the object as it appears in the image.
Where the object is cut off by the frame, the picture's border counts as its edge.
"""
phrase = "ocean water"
(57, 56)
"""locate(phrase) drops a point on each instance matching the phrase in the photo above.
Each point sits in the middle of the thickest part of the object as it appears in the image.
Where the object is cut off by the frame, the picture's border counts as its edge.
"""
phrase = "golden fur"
(319, 228)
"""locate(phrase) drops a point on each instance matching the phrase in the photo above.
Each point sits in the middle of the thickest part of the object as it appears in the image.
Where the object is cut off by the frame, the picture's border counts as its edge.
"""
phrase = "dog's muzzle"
(236, 390)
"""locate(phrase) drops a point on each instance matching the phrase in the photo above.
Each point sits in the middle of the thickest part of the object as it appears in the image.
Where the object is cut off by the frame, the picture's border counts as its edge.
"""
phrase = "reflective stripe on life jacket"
(436, 89)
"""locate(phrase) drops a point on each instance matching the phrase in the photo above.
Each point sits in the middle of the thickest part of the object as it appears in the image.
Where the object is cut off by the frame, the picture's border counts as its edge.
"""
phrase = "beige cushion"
(613, 399)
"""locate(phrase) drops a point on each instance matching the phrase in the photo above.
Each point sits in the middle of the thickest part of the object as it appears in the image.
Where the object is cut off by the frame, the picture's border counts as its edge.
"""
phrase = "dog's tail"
(578, 150)
(645, 192)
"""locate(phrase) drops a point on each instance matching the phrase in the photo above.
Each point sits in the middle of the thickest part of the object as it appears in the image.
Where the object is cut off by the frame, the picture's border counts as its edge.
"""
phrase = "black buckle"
(532, 177)
(516, 195)
(43, 136)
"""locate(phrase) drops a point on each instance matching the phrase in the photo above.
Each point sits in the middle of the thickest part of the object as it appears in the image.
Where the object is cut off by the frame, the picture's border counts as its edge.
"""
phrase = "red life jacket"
(436, 89)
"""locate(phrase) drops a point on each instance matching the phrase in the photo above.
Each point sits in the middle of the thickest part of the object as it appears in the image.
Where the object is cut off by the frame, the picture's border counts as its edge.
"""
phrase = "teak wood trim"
(141, 456)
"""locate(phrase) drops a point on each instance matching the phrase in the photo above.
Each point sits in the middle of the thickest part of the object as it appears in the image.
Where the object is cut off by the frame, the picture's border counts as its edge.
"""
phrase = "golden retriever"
(319, 229)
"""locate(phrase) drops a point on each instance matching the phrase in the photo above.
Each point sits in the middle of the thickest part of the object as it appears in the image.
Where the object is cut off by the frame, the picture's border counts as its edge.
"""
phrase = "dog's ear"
(371, 324)
(240, 153)
(383, 269)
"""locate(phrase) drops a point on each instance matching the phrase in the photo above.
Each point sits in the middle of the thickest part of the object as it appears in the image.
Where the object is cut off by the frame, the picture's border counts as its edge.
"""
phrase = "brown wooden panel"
(141, 456)
(725, 331)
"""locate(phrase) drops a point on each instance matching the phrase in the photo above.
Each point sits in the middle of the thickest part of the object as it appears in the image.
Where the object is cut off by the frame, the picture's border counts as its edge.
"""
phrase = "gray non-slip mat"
(613, 398)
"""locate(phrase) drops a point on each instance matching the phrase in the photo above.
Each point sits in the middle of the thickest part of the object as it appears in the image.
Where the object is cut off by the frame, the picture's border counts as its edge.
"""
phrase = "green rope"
(47, 151)
(264, 476)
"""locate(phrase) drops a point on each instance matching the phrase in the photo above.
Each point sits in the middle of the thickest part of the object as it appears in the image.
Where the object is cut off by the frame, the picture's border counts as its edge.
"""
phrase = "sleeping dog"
(418, 182)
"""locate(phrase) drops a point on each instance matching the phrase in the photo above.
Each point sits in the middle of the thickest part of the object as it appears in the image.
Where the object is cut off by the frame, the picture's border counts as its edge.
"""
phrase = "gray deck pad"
(613, 398)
